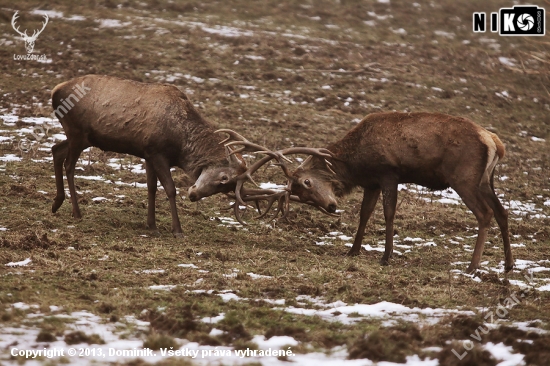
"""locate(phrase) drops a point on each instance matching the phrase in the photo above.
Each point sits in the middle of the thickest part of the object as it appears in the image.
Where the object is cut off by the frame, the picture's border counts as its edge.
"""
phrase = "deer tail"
(500, 146)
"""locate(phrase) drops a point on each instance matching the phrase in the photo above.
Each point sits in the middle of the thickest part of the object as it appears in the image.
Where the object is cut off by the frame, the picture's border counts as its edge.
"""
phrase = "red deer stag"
(152, 121)
(434, 150)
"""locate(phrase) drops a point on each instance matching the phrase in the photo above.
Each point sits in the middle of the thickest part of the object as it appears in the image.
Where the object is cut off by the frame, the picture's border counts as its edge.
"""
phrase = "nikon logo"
(521, 20)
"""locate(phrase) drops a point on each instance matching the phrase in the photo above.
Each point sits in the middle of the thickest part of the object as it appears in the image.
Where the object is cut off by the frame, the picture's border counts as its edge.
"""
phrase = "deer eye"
(307, 183)
(225, 178)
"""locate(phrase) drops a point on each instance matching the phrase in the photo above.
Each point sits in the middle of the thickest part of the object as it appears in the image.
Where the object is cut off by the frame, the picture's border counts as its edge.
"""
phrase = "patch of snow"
(400, 31)
(49, 13)
(507, 61)
(257, 276)
(162, 287)
(112, 23)
(228, 296)
(227, 31)
(441, 33)
(148, 271)
(213, 319)
(270, 185)
(382, 309)
(505, 354)
(275, 342)
(254, 57)
(10, 157)
(19, 264)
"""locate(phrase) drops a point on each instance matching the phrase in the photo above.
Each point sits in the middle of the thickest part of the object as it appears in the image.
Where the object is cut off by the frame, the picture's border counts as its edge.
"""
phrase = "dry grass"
(111, 247)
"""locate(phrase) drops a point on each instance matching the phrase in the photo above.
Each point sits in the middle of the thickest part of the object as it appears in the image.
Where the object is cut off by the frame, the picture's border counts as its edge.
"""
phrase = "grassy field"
(293, 73)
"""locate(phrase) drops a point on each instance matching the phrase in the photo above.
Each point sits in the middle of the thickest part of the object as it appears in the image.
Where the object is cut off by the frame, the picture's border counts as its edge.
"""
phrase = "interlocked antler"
(271, 196)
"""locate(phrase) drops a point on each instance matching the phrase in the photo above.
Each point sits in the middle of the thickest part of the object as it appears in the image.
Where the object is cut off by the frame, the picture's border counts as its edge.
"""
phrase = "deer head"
(218, 179)
(314, 184)
(319, 195)
(29, 40)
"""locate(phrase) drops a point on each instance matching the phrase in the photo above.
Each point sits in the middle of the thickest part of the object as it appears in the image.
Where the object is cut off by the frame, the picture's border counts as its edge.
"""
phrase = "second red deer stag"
(152, 121)
(434, 150)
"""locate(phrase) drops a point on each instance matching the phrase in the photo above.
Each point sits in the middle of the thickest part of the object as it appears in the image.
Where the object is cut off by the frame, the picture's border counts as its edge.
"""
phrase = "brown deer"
(434, 150)
(155, 122)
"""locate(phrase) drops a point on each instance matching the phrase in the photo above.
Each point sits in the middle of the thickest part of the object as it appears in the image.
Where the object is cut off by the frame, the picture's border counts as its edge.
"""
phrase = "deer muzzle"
(193, 194)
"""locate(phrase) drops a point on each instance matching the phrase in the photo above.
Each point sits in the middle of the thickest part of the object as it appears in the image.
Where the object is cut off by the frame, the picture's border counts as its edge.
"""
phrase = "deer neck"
(200, 151)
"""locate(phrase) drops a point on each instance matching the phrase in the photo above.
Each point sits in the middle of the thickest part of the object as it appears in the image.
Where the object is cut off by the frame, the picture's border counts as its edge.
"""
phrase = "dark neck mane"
(202, 148)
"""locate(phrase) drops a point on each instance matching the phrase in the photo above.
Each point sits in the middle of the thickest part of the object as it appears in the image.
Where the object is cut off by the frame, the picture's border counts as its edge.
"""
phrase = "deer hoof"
(384, 262)
(56, 204)
(179, 235)
(353, 253)
(472, 269)
(154, 233)
(508, 267)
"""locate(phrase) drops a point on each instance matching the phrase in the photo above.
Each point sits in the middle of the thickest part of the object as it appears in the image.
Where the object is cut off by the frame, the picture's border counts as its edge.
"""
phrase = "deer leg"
(389, 200)
(370, 197)
(70, 163)
(151, 195)
(59, 152)
(475, 201)
(162, 171)
(501, 216)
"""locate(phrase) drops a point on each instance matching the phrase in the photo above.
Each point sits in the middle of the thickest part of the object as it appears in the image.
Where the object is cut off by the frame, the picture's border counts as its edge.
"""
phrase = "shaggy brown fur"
(152, 121)
(434, 150)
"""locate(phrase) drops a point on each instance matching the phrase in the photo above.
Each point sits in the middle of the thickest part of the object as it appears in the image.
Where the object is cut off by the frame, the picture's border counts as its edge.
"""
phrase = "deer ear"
(233, 159)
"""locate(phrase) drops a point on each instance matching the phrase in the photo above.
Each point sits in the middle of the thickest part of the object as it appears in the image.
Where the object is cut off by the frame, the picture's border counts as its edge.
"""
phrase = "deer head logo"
(29, 40)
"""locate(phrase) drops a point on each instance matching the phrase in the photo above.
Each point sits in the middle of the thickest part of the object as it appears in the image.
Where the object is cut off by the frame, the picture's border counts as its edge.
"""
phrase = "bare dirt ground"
(293, 73)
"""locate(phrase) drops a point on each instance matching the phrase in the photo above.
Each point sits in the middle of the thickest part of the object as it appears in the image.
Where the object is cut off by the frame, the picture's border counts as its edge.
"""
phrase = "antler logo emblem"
(29, 40)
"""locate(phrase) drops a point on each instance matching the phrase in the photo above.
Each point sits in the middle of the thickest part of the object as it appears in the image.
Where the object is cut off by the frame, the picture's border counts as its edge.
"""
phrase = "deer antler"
(283, 197)
(13, 19)
(36, 33)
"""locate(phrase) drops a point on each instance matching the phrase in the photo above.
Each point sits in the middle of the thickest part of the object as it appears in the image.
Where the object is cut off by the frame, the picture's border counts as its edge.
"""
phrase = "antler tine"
(283, 197)
(329, 166)
(286, 201)
(305, 162)
(238, 188)
(309, 151)
(13, 19)
(258, 149)
(37, 32)
(232, 135)
(285, 169)
(270, 201)
(237, 212)
(249, 146)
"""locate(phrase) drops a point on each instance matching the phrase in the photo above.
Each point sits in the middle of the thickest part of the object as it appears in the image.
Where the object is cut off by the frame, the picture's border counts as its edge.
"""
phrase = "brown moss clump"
(157, 341)
(392, 344)
(81, 337)
(476, 356)
(45, 336)
(29, 241)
